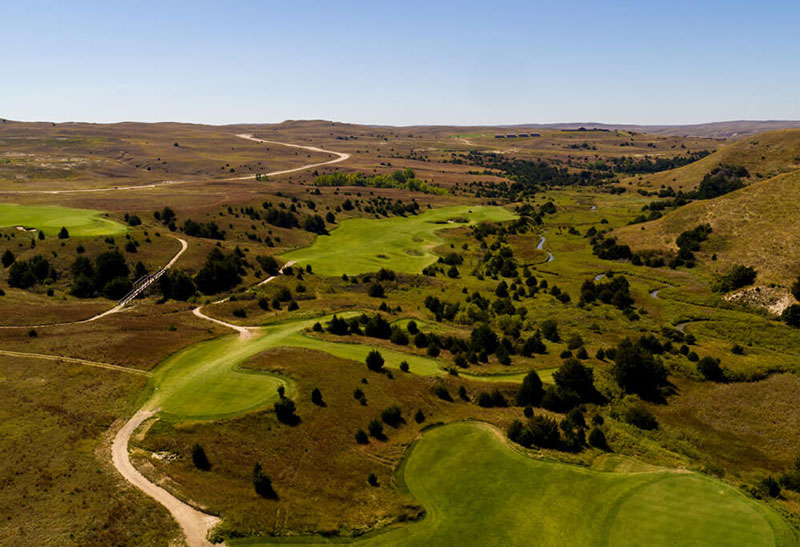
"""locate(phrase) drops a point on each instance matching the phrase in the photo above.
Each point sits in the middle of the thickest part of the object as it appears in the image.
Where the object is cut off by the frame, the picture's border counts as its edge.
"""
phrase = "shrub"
(372, 479)
(399, 337)
(199, 458)
(375, 361)
(640, 417)
(63, 233)
(598, 439)
(738, 276)
(770, 487)
(376, 290)
(392, 416)
(375, 429)
(316, 397)
(8, 258)
(791, 315)
(419, 417)
(549, 330)
(293, 305)
(637, 371)
(442, 392)
(404, 366)
(531, 390)
(262, 484)
(710, 369)
(361, 437)
(239, 312)
(575, 377)
(284, 410)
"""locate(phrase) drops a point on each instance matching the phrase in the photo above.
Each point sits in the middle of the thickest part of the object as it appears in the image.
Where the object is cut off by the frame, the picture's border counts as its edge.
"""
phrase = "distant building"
(511, 136)
(521, 135)
(499, 136)
(535, 134)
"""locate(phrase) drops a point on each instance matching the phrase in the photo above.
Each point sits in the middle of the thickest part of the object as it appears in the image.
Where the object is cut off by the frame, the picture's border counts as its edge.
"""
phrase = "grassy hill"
(752, 226)
(764, 156)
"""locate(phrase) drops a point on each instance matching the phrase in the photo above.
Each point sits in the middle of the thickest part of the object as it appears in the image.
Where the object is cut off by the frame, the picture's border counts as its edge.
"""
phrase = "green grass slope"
(765, 155)
(50, 220)
(403, 244)
(752, 226)
(204, 380)
(478, 491)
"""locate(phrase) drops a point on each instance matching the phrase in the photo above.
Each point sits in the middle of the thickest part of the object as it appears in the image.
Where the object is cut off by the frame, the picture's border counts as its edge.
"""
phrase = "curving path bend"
(340, 156)
(194, 524)
(540, 247)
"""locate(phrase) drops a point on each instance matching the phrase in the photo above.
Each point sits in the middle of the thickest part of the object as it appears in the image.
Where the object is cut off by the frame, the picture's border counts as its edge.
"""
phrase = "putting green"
(50, 220)
(403, 244)
(204, 381)
(478, 491)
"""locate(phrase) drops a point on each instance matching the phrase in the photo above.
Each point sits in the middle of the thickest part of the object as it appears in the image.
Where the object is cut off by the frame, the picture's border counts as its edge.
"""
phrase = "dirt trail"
(244, 332)
(341, 156)
(115, 309)
(195, 524)
(74, 360)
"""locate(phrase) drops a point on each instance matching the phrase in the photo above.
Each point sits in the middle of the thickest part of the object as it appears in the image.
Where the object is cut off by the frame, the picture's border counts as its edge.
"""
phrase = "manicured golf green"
(50, 220)
(478, 491)
(402, 244)
(204, 381)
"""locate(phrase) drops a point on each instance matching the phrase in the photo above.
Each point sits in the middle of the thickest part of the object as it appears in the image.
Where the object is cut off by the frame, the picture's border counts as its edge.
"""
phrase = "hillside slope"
(764, 156)
(754, 226)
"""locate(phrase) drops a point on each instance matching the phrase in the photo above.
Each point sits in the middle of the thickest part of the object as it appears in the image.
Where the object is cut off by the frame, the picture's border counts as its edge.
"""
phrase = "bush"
(710, 369)
(284, 410)
(376, 290)
(375, 429)
(372, 479)
(262, 483)
(199, 458)
(531, 390)
(392, 416)
(575, 377)
(442, 392)
(637, 371)
(640, 417)
(361, 437)
(404, 366)
(770, 487)
(549, 330)
(63, 233)
(239, 312)
(117, 288)
(791, 315)
(490, 400)
(419, 417)
(375, 361)
(8, 258)
(316, 397)
(598, 439)
(738, 276)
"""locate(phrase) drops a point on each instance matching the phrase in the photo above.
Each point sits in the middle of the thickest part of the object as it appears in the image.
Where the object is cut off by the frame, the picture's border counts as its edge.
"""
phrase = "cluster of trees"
(107, 275)
(688, 243)
(405, 179)
(530, 176)
(737, 276)
(634, 166)
(208, 230)
(615, 291)
(607, 248)
(637, 369)
(221, 271)
(544, 431)
(177, 285)
(24, 274)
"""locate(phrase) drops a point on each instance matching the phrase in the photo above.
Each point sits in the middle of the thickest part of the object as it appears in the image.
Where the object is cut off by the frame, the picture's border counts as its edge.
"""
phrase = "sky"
(400, 63)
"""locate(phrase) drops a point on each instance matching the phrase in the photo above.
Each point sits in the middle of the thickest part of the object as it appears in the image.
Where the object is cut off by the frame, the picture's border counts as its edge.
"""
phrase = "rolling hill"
(764, 156)
(753, 226)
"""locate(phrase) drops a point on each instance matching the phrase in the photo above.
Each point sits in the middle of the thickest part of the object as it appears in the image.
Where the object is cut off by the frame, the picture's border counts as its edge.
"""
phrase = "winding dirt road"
(341, 156)
(194, 524)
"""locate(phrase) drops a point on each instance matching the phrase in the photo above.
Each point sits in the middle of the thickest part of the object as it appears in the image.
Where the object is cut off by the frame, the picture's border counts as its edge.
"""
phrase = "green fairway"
(50, 220)
(204, 381)
(403, 244)
(478, 491)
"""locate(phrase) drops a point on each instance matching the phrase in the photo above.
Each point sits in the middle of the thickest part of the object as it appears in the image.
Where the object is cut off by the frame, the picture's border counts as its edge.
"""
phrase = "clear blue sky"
(484, 62)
